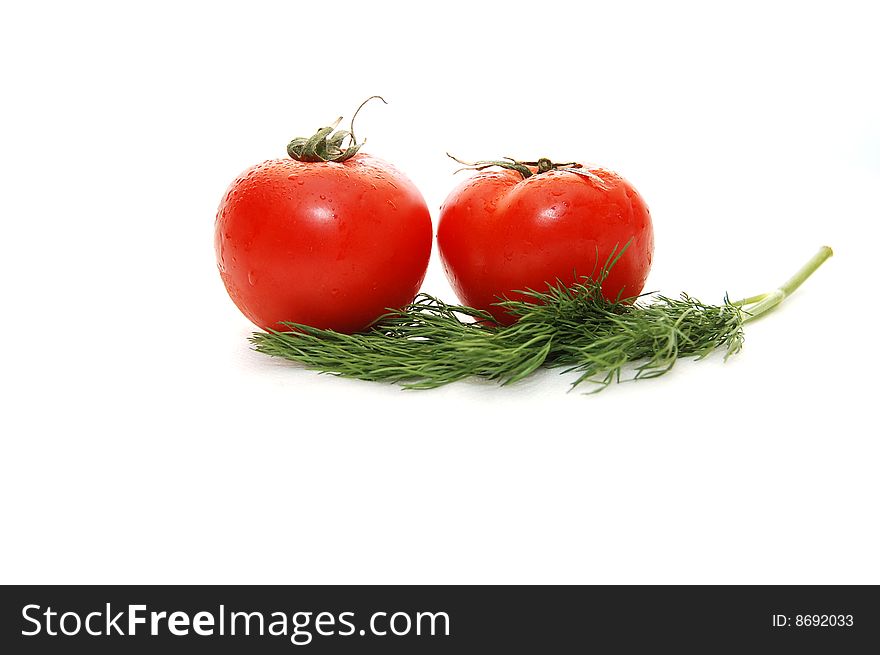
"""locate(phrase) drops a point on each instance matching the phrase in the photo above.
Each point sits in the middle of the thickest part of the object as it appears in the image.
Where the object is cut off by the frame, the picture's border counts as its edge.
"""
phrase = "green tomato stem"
(326, 145)
(760, 305)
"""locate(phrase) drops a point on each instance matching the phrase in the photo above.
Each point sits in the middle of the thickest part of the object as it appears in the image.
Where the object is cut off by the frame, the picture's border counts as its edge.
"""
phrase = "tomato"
(331, 244)
(500, 232)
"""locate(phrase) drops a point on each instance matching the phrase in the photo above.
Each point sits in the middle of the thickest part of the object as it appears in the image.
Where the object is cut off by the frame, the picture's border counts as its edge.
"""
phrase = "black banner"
(444, 619)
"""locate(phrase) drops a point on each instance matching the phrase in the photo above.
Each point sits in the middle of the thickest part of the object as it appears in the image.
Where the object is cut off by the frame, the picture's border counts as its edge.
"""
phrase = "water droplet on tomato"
(334, 292)
(252, 278)
(323, 197)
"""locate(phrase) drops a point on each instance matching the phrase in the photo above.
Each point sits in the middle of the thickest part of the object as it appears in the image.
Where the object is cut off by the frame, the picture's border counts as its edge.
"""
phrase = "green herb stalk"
(430, 343)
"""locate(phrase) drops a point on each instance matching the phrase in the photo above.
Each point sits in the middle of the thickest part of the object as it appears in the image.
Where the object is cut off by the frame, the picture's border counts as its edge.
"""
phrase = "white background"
(143, 442)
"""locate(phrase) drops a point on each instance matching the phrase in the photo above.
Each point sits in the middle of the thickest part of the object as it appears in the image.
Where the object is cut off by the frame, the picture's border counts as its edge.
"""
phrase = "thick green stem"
(751, 300)
(770, 300)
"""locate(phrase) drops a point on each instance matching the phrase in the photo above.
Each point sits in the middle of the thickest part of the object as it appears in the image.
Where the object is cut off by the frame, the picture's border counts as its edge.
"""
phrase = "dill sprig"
(430, 343)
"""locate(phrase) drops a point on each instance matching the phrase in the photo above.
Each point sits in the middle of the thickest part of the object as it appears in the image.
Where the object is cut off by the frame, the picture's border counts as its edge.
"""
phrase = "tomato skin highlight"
(499, 233)
(326, 244)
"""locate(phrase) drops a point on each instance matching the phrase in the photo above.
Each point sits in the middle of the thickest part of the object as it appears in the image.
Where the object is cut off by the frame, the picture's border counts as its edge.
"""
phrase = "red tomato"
(327, 244)
(500, 233)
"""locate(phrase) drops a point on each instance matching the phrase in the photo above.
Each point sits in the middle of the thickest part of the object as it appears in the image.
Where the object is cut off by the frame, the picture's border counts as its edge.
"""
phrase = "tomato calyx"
(529, 168)
(327, 144)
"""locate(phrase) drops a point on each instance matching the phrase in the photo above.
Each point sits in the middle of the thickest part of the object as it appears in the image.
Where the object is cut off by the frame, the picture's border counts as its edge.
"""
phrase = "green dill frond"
(430, 343)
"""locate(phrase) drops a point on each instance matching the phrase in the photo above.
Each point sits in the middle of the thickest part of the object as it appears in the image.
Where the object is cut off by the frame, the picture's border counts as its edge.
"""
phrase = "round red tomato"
(331, 244)
(500, 232)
